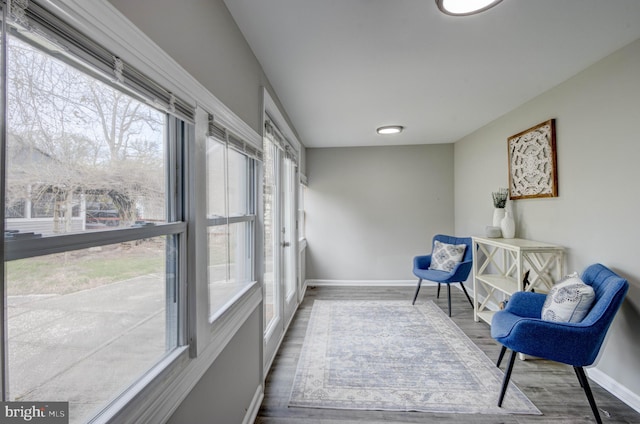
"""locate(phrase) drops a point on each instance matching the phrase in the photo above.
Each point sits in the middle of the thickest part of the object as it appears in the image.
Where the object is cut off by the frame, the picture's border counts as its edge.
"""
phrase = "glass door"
(272, 317)
(289, 237)
(280, 294)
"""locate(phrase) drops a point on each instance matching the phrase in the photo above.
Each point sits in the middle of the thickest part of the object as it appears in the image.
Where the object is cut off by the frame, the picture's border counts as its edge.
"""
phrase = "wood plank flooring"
(552, 387)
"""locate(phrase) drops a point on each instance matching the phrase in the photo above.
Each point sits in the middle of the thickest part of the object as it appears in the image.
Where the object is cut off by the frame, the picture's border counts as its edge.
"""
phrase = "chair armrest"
(526, 304)
(570, 343)
(422, 262)
(461, 271)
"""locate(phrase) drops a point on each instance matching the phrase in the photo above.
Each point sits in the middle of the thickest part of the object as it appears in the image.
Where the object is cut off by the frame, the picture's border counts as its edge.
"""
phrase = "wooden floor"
(552, 387)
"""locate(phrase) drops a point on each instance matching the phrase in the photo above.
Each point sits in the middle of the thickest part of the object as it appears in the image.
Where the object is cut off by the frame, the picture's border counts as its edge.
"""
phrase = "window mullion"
(32, 247)
(242, 218)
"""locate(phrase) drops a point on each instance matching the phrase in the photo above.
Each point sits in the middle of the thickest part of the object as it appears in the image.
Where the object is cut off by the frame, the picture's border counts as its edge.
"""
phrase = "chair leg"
(507, 377)
(502, 352)
(579, 377)
(417, 290)
(449, 298)
(584, 382)
(438, 293)
(467, 294)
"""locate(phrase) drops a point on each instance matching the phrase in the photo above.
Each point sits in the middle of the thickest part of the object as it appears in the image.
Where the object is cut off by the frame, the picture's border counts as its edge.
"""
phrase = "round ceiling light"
(390, 129)
(465, 7)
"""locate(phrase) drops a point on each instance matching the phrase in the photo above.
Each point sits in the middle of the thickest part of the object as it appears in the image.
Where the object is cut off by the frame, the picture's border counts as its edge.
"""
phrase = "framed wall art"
(532, 162)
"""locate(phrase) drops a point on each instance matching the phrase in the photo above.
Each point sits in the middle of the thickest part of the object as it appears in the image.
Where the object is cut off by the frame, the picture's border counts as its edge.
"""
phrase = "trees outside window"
(78, 148)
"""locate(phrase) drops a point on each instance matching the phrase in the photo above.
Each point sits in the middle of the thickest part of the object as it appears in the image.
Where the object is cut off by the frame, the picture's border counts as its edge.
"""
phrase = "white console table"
(499, 265)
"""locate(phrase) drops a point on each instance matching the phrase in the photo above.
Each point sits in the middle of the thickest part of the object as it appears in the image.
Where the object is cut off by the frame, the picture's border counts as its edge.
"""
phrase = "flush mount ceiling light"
(390, 129)
(465, 7)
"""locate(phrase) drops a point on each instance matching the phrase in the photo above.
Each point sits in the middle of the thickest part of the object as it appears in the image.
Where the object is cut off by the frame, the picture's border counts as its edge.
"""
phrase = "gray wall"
(225, 391)
(595, 215)
(371, 209)
(203, 38)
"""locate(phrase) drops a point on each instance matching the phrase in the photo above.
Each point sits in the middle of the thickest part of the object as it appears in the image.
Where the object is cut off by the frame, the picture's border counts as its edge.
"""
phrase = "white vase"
(508, 226)
(498, 214)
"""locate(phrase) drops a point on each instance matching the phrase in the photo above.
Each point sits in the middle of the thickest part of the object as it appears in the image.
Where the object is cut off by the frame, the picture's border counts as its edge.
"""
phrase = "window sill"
(231, 302)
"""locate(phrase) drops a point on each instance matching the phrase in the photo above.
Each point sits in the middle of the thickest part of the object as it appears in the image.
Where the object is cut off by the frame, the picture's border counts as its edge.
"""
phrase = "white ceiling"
(342, 68)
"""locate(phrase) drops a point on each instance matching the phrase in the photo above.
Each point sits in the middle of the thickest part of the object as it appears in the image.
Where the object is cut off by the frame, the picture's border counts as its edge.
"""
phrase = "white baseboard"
(390, 283)
(254, 408)
(612, 386)
(365, 283)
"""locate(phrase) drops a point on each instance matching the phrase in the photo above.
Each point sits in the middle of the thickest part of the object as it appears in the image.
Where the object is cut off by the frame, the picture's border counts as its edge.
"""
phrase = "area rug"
(394, 356)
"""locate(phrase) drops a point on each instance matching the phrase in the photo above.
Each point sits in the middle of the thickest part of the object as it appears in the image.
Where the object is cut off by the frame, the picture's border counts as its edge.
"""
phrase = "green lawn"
(80, 270)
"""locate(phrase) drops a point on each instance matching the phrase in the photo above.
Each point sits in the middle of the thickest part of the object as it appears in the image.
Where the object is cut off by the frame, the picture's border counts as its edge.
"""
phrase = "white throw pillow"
(446, 256)
(569, 300)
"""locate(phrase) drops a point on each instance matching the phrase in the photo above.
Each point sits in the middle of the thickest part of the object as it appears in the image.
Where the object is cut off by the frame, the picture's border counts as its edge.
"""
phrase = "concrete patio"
(85, 347)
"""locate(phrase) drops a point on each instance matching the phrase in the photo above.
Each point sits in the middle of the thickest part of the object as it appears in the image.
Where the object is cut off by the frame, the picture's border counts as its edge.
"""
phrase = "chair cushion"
(446, 256)
(569, 300)
(433, 275)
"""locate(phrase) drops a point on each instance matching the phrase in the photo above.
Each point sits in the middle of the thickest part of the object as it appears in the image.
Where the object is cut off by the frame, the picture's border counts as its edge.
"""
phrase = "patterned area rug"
(391, 355)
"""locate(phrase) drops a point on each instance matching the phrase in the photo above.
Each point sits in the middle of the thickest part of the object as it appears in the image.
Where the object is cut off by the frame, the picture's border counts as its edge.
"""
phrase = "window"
(93, 232)
(230, 220)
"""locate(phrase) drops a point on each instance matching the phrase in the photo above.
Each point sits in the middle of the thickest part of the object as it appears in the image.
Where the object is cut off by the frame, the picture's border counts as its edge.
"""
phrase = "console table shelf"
(499, 265)
(486, 315)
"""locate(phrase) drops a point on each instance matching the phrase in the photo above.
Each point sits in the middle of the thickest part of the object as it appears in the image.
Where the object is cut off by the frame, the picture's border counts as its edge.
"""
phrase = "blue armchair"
(519, 328)
(458, 274)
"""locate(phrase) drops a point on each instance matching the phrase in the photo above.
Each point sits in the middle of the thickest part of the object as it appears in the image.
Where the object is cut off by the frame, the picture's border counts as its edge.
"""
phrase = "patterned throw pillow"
(569, 300)
(446, 256)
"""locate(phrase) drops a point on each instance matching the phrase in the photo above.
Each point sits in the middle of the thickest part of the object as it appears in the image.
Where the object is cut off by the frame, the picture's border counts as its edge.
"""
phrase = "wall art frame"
(533, 169)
